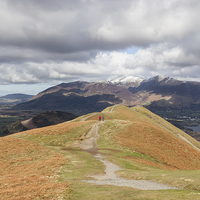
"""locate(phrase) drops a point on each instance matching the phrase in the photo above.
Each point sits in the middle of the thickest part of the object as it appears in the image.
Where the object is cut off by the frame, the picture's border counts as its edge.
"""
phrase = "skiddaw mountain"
(156, 93)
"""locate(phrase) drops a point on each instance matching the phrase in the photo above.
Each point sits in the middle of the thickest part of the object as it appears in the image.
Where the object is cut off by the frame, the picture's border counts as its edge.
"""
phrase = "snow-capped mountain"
(162, 80)
(155, 78)
(157, 93)
(128, 81)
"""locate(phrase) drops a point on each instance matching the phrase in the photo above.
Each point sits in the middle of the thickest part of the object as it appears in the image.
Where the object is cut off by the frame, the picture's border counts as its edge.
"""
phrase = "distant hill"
(156, 93)
(16, 98)
(41, 120)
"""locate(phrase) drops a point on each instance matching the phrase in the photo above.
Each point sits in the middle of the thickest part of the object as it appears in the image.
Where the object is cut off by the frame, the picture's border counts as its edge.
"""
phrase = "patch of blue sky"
(130, 50)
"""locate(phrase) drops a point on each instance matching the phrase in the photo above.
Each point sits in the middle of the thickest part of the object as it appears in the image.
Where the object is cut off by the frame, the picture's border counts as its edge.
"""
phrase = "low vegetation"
(29, 171)
(145, 146)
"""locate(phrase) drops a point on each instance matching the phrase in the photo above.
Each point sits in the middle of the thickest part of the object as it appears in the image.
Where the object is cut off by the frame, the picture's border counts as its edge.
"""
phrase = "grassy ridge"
(142, 144)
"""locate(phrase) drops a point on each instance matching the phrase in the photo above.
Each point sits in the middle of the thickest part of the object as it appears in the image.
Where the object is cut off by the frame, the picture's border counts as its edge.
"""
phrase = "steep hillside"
(67, 161)
(151, 135)
(79, 97)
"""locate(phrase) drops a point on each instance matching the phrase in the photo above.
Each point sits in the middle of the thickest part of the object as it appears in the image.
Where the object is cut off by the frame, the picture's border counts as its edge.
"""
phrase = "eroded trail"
(89, 143)
(110, 178)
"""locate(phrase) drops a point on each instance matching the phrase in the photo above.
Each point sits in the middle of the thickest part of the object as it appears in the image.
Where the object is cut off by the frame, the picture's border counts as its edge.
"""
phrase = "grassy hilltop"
(46, 163)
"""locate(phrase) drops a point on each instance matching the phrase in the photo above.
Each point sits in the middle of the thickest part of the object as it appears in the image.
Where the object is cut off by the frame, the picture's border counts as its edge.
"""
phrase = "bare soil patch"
(89, 142)
(28, 123)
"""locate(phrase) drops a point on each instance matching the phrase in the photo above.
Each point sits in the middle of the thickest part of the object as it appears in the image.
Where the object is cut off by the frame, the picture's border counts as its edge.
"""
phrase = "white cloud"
(84, 39)
(146, 62)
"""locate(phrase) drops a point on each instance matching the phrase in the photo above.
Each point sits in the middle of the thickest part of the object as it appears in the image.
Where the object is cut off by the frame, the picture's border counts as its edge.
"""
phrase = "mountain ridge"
(49, 162)
(155, 93)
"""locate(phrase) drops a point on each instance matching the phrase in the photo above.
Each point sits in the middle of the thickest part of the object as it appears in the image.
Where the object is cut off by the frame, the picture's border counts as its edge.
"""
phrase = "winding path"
(186, 140)
(114, 107)
(85, 118)
(110, 178)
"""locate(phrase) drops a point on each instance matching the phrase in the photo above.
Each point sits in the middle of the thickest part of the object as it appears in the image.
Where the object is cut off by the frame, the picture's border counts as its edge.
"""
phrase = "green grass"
(91, 192)
(109, 131)
(80, 166)
(188, 180)
(63, 140)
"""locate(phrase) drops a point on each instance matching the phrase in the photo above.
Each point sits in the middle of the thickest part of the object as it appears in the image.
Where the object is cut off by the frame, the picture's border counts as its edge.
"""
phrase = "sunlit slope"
(137, 140)
(142, 131)
(151, 135)
(28, 170)
(30, 167)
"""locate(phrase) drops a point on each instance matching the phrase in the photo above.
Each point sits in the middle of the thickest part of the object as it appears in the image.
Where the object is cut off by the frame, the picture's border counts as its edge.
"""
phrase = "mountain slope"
(156, 93)
(174, 94)
(151, 135)
(142, 144)
(79, 97)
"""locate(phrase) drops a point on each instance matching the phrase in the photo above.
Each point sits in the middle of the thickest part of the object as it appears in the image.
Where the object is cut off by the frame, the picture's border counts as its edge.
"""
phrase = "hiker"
(102, 118)
(99, 118)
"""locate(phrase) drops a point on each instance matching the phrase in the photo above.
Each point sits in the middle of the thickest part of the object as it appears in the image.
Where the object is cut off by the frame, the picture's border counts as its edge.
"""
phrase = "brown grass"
(120, 112)
(58, 129)
(28, 171)
(149, 162)
(160, 145)
(126, 113)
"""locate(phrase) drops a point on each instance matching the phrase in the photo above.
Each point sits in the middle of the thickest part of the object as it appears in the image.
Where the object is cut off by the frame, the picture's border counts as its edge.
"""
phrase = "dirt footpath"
(110, 178)
(89, 143)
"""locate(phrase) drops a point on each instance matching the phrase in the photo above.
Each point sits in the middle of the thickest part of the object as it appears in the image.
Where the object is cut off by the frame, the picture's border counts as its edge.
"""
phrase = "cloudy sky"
(46, 42)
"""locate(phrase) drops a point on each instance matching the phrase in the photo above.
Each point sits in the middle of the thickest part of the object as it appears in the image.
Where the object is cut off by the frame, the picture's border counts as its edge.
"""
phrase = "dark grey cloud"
(63, 40)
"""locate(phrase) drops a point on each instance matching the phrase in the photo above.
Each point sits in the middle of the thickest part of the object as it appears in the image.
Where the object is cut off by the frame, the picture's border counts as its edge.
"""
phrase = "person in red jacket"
(99, 118)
